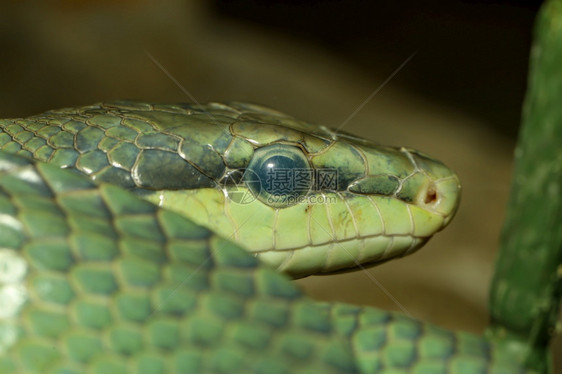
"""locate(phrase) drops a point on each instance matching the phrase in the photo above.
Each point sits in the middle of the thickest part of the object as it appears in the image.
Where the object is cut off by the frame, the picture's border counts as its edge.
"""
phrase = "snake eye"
(278, 175)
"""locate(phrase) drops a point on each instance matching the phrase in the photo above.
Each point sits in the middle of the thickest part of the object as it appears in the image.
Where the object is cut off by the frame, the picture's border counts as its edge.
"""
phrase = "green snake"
(167, 257)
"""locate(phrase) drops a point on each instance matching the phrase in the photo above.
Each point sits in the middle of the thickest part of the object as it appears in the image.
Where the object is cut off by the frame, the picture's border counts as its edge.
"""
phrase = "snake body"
(98, 279)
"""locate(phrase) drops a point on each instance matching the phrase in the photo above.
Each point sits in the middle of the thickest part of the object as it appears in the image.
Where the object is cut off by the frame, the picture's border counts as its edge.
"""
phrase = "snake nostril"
(430, 195)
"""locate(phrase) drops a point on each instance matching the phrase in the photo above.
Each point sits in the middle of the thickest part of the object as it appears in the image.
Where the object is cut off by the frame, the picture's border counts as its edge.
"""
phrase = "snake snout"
(439, 189)
(441, 196)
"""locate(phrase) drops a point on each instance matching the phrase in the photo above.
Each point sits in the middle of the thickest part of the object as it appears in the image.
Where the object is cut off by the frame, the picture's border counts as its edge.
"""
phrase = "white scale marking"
(13, 294)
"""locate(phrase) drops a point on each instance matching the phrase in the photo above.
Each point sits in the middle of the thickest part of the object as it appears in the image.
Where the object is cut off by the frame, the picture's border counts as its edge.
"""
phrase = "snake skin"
(388, 201)
(95, 280)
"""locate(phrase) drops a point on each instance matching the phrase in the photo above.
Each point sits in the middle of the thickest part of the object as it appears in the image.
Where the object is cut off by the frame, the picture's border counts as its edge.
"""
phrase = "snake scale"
(151, 238)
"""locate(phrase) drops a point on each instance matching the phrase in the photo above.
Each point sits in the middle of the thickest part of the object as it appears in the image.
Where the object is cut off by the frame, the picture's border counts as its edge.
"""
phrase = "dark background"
(471, 55)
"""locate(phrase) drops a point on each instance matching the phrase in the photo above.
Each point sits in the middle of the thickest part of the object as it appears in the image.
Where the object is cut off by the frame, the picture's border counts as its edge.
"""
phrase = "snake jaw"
(392, 202)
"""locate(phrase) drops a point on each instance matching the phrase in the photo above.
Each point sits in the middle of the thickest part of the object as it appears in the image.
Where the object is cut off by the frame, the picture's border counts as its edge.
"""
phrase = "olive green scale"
(127, 143)
(95, 280)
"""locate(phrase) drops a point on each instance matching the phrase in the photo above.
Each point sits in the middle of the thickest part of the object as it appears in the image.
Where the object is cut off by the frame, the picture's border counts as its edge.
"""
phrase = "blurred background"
(458, 99)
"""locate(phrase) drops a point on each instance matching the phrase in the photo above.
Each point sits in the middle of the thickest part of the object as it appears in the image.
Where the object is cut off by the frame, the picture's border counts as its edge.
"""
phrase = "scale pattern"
(385, 202)
(94, 280)
(119, 142)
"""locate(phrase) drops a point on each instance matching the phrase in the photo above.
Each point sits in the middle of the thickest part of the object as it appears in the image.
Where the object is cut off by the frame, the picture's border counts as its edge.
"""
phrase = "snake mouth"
(436, 201)
(341, 256)
(339, 242)
(375, 261)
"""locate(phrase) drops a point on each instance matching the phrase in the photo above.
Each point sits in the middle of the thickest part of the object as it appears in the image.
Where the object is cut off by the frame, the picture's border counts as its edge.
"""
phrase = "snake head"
(309, 200)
